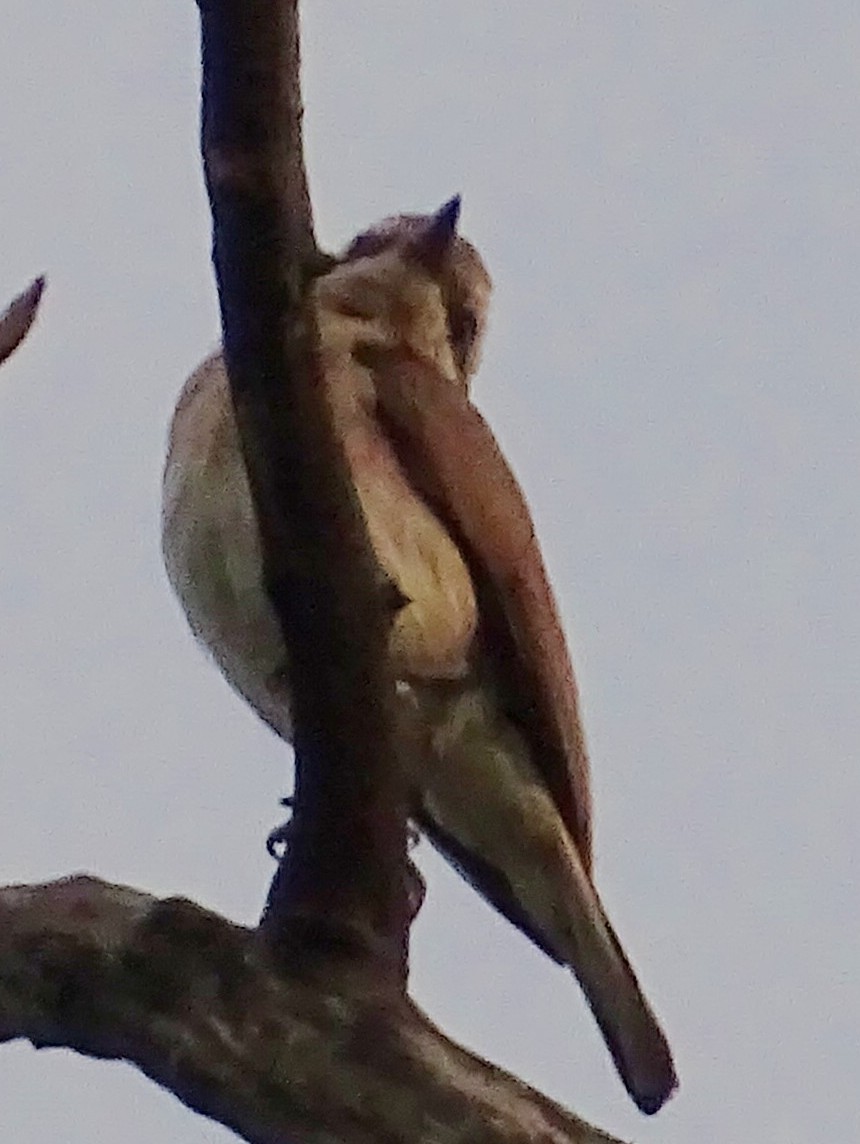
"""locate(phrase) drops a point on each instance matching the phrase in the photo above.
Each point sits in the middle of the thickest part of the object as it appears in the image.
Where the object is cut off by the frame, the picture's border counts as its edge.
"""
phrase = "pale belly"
(212, 552)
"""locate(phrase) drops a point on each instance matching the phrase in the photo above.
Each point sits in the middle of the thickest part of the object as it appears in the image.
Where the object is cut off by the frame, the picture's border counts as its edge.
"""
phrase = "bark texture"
(344, 881)
(197, 1004)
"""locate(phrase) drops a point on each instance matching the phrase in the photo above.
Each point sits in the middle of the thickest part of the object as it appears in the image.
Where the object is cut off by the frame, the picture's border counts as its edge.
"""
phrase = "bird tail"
(484, 805)
(554, 903)
(632, 1033)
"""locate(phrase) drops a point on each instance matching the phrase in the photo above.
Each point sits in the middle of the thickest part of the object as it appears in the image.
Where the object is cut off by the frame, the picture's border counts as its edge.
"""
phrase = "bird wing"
(449, 452)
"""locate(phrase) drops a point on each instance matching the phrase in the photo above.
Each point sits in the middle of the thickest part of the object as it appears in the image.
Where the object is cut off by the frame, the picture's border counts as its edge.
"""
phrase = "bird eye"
(464, 329)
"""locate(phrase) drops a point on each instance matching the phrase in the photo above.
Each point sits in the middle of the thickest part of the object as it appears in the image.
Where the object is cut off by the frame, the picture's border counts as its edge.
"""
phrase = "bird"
(502, 785)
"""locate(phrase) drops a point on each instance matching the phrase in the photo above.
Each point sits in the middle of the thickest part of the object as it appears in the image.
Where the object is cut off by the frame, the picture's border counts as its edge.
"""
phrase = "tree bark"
(196, 1003)
(342, 885)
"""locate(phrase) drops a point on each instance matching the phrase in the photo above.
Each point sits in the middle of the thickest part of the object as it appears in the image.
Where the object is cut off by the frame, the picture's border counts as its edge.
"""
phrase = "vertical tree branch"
(344, 871)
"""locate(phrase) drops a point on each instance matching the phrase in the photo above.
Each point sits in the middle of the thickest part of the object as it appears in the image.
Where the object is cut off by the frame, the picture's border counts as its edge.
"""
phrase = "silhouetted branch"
(343, 879)
(196, 1004)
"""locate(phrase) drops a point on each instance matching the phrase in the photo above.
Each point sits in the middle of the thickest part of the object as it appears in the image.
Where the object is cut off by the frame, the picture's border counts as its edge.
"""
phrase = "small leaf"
(16, 321)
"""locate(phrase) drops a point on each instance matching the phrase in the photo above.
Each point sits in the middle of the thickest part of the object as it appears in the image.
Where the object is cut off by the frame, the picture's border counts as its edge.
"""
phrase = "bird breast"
(213, 558)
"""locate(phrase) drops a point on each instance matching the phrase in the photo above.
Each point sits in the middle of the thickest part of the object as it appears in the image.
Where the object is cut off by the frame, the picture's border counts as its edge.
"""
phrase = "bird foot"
(278, 840)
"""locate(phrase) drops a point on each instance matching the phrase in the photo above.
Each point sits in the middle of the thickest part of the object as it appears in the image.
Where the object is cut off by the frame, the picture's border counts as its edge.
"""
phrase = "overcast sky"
(668, 197)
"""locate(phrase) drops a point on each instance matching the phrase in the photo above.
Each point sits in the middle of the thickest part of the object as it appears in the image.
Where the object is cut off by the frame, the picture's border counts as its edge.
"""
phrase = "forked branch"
(301, 1030)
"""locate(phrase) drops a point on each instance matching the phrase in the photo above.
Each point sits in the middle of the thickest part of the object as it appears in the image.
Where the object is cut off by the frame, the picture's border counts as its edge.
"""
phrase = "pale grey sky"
(668, 197)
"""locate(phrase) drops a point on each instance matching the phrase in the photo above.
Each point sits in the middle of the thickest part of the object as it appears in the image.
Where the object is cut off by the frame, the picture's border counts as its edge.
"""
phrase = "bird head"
(417, 275)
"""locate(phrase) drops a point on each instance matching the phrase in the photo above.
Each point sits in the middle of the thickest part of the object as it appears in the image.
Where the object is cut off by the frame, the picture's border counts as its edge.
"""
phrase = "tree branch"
(347, 856)
(197, 1005)
(292, 1031)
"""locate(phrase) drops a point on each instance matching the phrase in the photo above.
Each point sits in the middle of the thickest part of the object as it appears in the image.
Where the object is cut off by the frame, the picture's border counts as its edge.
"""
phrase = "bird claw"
(278, 840)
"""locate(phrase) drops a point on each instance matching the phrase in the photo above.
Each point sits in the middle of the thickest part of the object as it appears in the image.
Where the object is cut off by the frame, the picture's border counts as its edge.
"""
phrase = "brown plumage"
(501, 785)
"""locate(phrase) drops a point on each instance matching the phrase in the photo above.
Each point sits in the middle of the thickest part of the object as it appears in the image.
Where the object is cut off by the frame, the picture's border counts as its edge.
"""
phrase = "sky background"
(668, 197)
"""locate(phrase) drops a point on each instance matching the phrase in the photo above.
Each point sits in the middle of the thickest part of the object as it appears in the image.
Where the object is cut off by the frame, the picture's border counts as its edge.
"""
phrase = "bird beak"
(431, 247)
(447, 217)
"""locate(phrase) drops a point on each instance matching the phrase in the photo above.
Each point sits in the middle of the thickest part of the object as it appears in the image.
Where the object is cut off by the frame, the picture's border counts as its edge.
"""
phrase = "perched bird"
(502, 786)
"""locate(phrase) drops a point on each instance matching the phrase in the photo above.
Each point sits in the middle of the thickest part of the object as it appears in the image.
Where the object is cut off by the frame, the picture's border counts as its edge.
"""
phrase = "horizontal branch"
(196, 1003)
